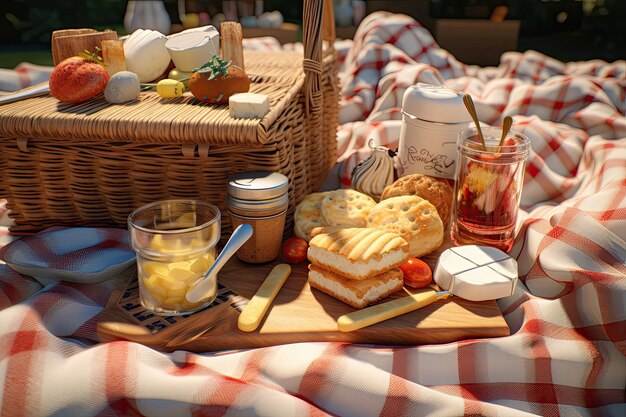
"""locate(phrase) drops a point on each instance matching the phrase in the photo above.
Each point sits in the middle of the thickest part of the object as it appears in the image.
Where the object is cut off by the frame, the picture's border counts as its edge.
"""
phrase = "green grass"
(11, 59)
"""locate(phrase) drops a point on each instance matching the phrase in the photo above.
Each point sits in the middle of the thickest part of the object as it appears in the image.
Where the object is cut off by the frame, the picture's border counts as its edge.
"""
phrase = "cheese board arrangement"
(298, 313)
(354, 276)
(363, 261)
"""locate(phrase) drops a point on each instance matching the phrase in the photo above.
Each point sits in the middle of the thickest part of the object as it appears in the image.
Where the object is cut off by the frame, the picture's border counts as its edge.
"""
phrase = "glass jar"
(488, 188)
(175, 243)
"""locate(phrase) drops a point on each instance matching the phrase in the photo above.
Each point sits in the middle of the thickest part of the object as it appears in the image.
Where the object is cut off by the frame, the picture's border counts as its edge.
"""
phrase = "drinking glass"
(488, 188)
(175, 243)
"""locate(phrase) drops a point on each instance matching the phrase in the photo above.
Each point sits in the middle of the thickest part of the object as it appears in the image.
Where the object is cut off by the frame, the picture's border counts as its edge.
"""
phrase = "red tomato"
(417, 273)
(77, 79)
(294, 250)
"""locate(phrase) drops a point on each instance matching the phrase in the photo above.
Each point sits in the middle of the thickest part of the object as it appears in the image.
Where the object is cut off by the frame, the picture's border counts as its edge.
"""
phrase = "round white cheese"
(476, 273)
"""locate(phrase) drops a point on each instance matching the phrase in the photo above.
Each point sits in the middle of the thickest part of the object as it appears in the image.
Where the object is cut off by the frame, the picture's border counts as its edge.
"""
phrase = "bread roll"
(411, 217)
(346, 207)
(437, 192)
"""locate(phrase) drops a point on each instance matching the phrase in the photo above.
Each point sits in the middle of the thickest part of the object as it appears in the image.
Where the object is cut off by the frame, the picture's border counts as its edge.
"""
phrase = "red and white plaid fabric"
(566, 352)
(24, 75)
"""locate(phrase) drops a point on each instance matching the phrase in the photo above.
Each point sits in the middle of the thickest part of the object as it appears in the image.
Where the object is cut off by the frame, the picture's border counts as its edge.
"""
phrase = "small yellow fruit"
(170, 88)
(178, 75)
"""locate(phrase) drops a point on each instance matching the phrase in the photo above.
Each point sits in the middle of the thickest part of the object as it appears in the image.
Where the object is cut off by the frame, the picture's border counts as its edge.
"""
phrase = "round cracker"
(437, 192)
(308, 215)
(413, 218)
(346, 207)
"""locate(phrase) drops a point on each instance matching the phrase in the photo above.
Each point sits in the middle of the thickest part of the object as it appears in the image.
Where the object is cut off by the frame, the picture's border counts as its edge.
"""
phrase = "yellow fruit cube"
(181, 274)
(179, 265)
(168, 283)
(198, 243)
(200, 265)
(178, 291)
(157, 243)
(153, 268)
(173, 303)
(210, 256)
(186, 220)
(153, 286)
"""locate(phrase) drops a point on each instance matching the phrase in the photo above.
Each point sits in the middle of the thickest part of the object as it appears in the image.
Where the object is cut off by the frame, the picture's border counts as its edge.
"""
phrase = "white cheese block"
(476, 273)
(248, 105)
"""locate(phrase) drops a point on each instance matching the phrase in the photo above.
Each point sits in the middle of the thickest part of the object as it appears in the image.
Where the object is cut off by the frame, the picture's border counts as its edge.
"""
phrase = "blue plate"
(86, 255)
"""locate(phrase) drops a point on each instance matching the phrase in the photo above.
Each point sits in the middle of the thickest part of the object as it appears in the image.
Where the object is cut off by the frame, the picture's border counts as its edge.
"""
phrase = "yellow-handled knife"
(380, 312)
(253, 313)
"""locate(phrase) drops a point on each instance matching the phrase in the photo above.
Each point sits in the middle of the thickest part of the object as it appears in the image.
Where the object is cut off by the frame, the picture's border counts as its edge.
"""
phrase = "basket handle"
(328, 23)
(318, 25)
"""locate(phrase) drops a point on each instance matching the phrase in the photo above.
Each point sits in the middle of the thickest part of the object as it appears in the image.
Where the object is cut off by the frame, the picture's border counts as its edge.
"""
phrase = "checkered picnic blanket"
(566, 352)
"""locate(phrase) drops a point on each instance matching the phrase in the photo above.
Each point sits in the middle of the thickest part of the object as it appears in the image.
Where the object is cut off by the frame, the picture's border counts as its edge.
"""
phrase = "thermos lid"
(434, 103)
(251, 207)
(257, 185)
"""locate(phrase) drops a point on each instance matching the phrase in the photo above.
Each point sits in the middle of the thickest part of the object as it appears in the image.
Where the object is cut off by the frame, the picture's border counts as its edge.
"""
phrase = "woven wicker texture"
(156, 120)
(93, 163)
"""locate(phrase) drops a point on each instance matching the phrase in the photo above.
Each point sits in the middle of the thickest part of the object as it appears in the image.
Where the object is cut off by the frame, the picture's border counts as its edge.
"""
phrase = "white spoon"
(206, 287)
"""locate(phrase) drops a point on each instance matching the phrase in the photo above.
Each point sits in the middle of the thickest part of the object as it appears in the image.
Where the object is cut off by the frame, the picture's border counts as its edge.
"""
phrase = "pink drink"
(488, 188)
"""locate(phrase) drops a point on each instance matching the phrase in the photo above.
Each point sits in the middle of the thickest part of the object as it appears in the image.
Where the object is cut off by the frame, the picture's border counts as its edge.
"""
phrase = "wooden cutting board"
(298, 314)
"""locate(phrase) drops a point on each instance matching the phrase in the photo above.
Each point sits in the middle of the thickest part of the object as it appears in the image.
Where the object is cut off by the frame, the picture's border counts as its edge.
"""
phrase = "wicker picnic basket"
(93, 163)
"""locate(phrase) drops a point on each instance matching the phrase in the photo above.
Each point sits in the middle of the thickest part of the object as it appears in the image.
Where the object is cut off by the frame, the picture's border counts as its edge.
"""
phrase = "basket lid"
(257, 185)
(434, 103)
(180, 121)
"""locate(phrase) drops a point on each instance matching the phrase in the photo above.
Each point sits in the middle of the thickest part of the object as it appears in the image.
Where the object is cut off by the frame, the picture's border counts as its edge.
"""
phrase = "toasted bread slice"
(358, 294)
(326, 229)
(358, 253)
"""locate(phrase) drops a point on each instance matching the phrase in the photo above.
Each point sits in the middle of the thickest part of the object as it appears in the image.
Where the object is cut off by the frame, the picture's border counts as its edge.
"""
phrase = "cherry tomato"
(294, 250)
(417, 273)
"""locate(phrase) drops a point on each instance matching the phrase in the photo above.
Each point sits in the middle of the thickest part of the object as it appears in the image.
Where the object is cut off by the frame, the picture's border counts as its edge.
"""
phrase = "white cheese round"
(476, 273)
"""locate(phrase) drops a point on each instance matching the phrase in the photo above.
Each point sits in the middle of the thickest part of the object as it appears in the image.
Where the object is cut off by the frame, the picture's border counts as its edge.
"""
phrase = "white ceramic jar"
(147, 14)
(432, 117)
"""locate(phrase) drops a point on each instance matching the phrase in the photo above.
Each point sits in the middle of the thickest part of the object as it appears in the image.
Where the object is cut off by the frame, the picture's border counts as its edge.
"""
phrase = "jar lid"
(257, 185)
(257, 205)
(435, 103)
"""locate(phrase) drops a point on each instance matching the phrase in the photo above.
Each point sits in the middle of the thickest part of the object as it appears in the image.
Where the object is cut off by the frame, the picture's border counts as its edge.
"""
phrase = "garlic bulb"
(372, 175)
(146, 54)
